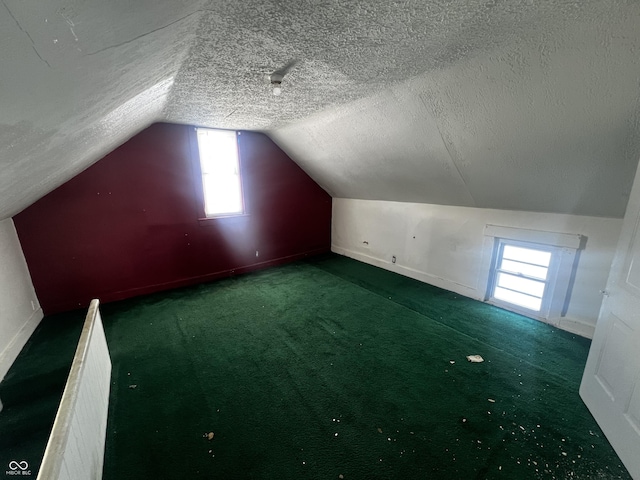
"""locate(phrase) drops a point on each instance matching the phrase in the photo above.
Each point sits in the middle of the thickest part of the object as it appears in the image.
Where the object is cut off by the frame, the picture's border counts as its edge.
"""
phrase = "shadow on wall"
(129, 224)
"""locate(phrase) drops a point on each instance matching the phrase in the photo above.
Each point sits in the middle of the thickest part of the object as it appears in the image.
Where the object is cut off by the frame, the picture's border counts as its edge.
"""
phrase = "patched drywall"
(20, 311)
(445, 246)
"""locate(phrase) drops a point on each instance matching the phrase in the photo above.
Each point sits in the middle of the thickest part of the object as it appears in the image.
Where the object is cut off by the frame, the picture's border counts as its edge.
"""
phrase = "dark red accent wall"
(129, 224)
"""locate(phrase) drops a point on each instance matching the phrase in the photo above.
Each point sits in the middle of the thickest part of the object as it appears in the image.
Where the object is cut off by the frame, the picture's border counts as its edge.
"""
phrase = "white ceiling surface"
(77, 79)
(496, 104)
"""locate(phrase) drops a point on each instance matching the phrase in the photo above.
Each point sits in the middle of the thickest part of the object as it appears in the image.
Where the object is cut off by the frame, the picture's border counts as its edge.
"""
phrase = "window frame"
(549, 283)
(567, 249)
(198, 180)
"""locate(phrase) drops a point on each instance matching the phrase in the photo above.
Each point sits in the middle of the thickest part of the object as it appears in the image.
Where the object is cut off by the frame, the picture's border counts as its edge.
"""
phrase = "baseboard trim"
(106, 297)
(570, 325)
(434, 280)
(577, 327)
(13, 349)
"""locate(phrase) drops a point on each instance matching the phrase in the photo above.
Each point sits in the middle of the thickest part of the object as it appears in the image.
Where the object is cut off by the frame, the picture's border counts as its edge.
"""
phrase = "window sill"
(512, 307)
(204, 221)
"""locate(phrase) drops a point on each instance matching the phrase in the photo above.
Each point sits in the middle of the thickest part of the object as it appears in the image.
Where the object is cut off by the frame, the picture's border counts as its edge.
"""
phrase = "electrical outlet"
(393, 259)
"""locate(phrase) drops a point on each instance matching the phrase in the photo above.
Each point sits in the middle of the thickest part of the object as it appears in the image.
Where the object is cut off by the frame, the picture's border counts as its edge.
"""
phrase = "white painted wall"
(445, 246)
(20, 311)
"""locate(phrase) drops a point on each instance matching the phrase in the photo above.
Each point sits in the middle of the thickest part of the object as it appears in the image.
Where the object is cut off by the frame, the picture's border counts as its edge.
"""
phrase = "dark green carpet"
(331, 367)
(298, 369)
(32, 389)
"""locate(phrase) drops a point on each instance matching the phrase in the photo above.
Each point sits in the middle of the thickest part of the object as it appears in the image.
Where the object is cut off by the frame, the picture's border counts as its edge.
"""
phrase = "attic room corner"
(446, 246)
(20, 312)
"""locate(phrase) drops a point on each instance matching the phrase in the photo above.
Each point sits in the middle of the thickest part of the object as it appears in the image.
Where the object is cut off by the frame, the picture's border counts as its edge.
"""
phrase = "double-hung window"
(522, 275)
(220, 169)
(531, 271)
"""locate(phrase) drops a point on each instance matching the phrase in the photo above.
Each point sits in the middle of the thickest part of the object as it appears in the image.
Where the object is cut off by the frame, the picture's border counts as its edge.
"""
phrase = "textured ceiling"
(549, 122)
(498, 104)
(346, 50)
(76, 80)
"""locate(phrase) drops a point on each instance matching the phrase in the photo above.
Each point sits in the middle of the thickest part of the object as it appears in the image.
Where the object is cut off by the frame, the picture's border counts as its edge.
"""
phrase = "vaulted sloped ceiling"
(497, 104)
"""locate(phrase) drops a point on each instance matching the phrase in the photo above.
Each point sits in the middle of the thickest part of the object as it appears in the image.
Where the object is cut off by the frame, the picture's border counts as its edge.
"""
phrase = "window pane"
(527, 255)
(524, 285)
(220, 171)
(524, 268)
(222, 194)
(516, 298)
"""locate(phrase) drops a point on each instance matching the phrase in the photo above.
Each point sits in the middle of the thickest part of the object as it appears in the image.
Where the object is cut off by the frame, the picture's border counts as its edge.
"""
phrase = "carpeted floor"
(331, 368)
(32, 389)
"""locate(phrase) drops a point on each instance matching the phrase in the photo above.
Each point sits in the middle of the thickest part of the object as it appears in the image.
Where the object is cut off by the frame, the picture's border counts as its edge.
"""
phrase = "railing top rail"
(52, 459)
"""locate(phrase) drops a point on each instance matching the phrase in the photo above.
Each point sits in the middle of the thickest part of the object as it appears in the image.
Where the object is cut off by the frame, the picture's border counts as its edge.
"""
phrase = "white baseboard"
(434, 280)
(12, 350)
(578, 327)
(570, 325)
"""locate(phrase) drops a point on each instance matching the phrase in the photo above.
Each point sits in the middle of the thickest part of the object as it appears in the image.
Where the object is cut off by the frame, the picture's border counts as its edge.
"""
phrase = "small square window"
(531, 272)
(220, 169)
(521, 275)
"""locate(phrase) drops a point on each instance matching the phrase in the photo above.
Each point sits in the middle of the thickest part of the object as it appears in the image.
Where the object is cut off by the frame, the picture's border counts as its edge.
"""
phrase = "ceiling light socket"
(276, 78)
(276, 83)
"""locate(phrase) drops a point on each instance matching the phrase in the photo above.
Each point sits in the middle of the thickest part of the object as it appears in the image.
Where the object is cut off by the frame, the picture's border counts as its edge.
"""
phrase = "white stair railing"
(75, 449)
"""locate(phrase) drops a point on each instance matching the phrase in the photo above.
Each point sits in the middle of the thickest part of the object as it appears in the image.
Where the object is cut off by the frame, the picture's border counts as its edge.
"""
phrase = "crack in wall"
(452, 155)
(33, 45)
(144, 34)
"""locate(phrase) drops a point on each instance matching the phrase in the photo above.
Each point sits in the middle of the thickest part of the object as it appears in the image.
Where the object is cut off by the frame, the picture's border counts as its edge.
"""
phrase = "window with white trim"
(522, 275)
(531, 271)
(220, 169)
